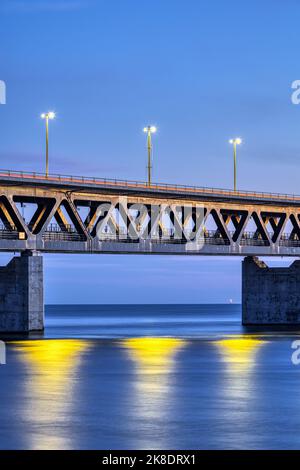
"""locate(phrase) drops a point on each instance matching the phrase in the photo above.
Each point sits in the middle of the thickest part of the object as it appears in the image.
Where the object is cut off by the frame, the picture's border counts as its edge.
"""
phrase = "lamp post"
(235, 142)
(47, 116)
(149, 130)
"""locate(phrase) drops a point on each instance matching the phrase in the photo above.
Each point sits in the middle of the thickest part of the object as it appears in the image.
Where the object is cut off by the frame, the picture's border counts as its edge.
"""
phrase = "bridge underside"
(70, 219)
(53, 215)
(270, 296)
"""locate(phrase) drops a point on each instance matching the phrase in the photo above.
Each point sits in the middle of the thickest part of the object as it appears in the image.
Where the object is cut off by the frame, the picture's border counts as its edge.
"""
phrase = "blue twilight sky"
(201, 70)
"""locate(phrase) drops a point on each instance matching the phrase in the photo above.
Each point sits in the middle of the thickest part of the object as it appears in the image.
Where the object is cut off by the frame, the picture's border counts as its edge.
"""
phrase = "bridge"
(71, 214)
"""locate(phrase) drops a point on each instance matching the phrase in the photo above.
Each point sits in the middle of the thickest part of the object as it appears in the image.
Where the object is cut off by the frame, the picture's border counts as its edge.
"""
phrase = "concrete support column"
(21, 294)
(270, 296)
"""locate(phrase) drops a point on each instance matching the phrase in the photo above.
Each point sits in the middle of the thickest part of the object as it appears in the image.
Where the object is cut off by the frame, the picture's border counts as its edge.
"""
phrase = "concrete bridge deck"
(128, 187)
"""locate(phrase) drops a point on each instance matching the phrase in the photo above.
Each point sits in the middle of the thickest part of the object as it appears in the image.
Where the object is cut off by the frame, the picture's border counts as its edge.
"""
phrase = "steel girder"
(87, 221)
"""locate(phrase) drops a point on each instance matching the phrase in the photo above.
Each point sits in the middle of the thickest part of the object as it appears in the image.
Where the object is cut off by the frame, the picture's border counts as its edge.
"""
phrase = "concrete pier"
(21, 294)
(270, 296)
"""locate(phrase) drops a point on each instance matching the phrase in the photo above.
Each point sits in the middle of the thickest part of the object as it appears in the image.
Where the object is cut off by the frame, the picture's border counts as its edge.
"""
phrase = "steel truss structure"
(77, 215)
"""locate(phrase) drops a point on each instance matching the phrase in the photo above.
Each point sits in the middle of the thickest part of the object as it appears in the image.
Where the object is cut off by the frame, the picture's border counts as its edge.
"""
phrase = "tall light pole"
(235, 142)
(149, 130)
(47, 116)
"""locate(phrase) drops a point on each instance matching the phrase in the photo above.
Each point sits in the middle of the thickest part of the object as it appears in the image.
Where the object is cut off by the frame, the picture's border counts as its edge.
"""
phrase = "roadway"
(127, 187)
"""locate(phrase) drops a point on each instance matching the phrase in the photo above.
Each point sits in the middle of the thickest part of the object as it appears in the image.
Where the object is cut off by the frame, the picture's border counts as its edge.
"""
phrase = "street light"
(47, 116)
(235, 142)
(149, 130)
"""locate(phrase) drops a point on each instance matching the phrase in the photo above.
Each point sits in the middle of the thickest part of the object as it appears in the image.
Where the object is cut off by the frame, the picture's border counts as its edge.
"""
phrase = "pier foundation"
(270, 296)
(21, 294)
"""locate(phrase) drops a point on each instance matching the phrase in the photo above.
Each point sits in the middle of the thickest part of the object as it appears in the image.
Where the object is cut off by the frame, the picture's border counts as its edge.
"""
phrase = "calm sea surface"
(150, 377)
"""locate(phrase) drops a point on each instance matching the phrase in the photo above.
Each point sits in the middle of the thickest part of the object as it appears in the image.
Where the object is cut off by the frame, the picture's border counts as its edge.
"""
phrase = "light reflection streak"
(239, 354)
(50, 383)
(239, 389)
(155, 364)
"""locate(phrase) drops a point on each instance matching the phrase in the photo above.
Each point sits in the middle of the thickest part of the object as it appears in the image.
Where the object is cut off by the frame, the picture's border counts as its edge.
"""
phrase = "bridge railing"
(210, 237)
(54, 177)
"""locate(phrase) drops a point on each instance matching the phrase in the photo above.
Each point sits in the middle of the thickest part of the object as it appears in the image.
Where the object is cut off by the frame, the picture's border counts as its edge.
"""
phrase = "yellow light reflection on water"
(153, 355)
(239, 353)
(50, 380)
(240, 356)
(152, 401)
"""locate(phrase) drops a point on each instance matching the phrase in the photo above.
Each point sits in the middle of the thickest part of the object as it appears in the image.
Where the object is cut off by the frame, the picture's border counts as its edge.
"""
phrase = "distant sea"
(150, 377)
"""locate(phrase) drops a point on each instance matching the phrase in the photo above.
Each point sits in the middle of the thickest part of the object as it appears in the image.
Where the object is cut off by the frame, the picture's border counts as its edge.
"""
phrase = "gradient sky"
(202, 71)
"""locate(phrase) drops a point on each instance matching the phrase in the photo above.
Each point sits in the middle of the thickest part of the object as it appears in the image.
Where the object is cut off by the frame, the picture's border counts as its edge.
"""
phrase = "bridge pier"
(270, 296)
(21, 294)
